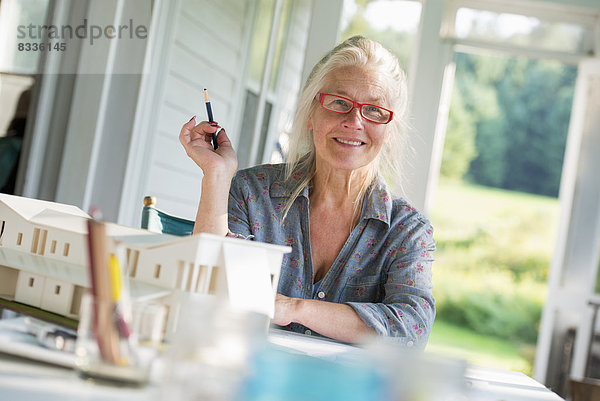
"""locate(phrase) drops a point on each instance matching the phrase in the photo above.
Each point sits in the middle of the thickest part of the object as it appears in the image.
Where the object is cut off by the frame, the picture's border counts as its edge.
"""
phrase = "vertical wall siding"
(208, 51)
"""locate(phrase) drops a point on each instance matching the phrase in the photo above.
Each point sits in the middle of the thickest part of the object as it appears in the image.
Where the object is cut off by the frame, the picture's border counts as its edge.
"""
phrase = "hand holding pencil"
(207, 144)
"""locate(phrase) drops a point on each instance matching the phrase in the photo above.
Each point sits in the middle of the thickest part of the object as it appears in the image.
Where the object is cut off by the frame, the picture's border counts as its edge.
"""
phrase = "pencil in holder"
(106, 348)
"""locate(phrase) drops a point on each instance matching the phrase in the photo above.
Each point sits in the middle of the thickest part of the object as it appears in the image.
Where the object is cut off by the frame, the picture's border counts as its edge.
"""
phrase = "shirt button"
(409, 344)
(307, 332)
(321, 294)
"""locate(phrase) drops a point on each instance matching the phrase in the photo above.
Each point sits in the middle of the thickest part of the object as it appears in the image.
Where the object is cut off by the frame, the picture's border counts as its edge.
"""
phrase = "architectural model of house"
(44, 262)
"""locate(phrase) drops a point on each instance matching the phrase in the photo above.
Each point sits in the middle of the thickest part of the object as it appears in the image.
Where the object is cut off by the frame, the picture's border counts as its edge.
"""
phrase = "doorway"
(18, 70)
(496, 209)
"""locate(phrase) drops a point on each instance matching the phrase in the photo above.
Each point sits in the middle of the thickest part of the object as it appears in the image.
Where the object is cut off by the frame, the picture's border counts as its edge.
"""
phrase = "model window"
(34, 240)
(132, 264)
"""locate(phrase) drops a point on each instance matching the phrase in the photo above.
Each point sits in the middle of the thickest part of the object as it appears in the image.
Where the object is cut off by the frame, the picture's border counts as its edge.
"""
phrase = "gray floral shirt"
(383, 270)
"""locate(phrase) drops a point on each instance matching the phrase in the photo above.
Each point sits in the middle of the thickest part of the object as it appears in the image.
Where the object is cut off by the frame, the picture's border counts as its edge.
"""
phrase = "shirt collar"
(379, 205)
(284, 189)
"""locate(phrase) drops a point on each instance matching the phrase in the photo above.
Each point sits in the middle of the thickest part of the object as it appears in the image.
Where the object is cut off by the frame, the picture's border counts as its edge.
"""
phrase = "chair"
(588, 388)
(585, 390)
(156, 220)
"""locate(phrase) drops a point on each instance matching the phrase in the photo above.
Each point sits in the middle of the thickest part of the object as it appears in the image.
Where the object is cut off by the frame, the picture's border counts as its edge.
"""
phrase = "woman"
(360, 261)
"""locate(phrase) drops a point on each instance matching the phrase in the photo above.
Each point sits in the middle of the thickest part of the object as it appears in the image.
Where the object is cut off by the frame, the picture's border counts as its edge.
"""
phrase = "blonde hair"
(356, 51)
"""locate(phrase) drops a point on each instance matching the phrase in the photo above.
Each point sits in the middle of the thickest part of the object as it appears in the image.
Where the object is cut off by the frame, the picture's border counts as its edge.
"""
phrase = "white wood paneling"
(198, 41)
(186, 98)
(199, 73)
(203, 54)
(172, 122)
(175, 184)
(222, 26)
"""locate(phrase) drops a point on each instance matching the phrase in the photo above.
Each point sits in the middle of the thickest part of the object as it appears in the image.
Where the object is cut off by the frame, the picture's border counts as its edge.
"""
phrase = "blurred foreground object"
(209, 356)
(585, 390)
(380, 371)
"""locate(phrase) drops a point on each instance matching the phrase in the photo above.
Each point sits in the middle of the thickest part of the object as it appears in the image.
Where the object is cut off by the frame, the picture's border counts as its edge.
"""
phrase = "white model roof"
(28, 208)
(115, 230)
(63, 217)
(61, 220)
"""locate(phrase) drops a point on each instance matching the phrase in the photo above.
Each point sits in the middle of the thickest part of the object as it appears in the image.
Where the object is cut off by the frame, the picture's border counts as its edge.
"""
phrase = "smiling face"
(347, 141)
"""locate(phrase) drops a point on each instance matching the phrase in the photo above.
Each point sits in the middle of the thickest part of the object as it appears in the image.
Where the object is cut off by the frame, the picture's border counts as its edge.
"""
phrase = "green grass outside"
(494, 249)
(452, 341)
(462, 210)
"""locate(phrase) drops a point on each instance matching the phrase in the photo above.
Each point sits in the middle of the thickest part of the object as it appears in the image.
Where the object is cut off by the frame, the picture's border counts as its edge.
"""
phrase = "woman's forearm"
(212, 208)
(333, 320)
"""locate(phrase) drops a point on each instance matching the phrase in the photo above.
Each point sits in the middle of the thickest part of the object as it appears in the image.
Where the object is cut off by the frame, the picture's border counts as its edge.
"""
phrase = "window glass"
(249, 119)
(520, 30)
(19, 23)
(393, 23)
(260, 39)
(284, 19)
(258, 62)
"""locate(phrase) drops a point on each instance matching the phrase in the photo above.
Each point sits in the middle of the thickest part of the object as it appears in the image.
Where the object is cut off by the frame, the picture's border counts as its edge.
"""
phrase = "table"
(489, 384)
(24, 380)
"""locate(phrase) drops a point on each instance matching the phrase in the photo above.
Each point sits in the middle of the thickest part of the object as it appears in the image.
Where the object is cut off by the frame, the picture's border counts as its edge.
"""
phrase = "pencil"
(105, 331)
(210, 117)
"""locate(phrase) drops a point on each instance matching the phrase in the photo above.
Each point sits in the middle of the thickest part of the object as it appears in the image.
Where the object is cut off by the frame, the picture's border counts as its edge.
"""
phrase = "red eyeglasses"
(343, 105)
